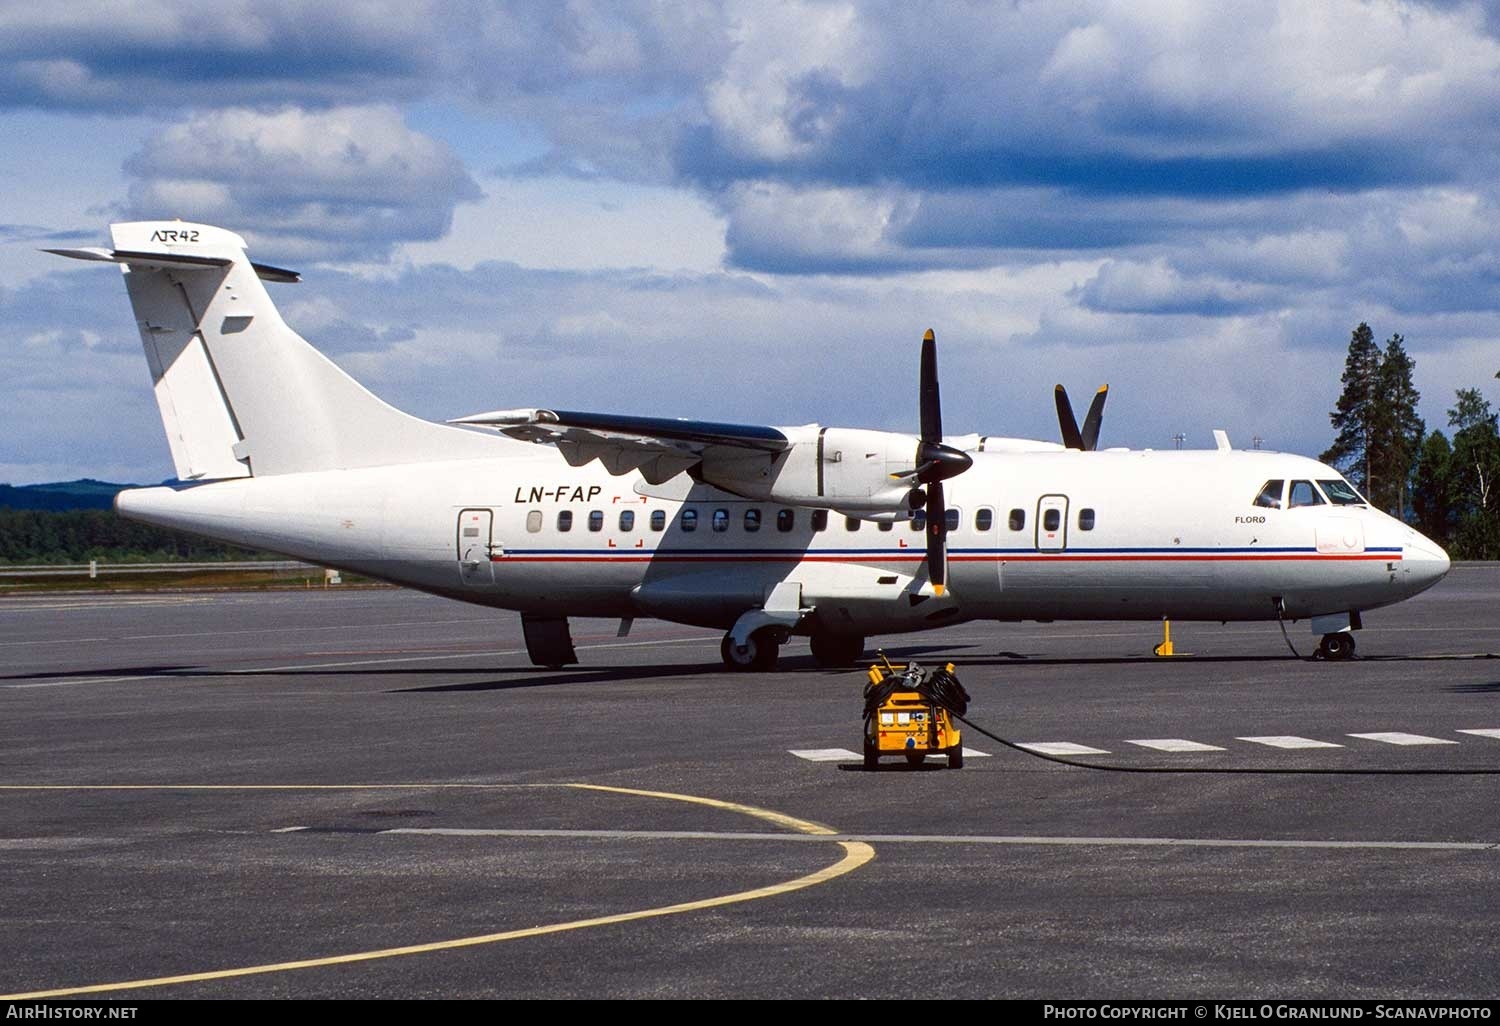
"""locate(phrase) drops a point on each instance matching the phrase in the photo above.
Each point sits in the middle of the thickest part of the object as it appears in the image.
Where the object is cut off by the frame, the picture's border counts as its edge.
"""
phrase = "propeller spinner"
(1087, 439)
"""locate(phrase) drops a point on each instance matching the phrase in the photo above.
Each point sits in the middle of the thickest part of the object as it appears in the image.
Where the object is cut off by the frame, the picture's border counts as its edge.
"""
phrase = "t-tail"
(241, 393)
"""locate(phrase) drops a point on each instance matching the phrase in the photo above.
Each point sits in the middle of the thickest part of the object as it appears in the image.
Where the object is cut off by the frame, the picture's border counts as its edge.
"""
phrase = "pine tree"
(1354, 414)
(1431, 489)
(1396, 431)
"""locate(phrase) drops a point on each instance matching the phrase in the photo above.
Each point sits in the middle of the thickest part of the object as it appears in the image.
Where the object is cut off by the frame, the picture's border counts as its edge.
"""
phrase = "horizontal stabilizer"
(171, 261)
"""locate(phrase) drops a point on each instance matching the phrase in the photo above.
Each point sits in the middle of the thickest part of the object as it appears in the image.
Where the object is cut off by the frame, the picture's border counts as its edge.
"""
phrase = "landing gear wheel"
(915, 758)
(1335, 647)
(832, 650)
(956, 757)
(758, 653)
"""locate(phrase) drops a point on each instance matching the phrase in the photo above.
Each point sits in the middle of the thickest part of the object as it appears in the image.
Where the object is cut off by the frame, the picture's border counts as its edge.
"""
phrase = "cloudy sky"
(751, 211)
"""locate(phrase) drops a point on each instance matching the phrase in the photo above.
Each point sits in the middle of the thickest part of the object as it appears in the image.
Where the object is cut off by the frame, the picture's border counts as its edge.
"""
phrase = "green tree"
(1355, 414)
(1473, 476)
(1430, 489)
(1396, 430)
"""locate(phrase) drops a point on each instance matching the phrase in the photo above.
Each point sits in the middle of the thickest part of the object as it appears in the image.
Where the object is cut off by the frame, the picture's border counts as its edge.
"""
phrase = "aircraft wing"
(659, 447)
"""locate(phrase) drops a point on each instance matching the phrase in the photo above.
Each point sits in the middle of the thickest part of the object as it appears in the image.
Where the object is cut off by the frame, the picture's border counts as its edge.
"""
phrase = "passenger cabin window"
(819, 520)
(596, 520)
(950, 519)
(689, 520)
(886, 525)
(721, 520)
(565, 520)
(752, 519)
(1085, 520)
(1018, 520)
(851, 524)
(658, 519)
(919, 520)
(1341, 493)
(786, 519)
(984, 519)
(534, 521)
(627, 520)
(1304, 494)
(1052, 519)
(1270, 495)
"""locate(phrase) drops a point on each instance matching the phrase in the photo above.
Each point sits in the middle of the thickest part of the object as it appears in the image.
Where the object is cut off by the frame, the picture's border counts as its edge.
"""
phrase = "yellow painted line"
(856, 854)
(803, 826)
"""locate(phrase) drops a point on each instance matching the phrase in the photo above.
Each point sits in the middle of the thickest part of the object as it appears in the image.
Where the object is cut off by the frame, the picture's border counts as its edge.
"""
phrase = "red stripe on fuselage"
(1066, 557)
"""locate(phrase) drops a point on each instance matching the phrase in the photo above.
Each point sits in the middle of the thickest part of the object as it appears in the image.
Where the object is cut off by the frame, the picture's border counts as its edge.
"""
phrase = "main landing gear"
(762, 648)
(834, 650)
(759, 652)
(1335, 647)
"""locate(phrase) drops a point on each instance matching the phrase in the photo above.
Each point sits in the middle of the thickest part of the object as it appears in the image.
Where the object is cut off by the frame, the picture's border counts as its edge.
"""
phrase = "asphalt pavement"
(372, 793)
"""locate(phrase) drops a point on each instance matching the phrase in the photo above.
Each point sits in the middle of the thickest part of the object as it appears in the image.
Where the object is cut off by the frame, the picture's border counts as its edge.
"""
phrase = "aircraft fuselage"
(1113, 535)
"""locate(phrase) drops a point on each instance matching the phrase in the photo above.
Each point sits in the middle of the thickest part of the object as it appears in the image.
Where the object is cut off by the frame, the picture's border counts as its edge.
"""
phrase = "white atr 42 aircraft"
(764, 532)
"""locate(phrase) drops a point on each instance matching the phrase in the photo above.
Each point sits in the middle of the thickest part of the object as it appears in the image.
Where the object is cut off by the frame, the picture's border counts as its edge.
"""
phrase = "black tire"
(834, 650)
(1336, 647)
(760, 652)
(956, 757)
(872, 756)
(915, 758)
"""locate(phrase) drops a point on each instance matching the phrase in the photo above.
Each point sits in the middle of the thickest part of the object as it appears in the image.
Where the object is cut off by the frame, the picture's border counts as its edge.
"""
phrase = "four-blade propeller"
(936, 462)
(1088, 438)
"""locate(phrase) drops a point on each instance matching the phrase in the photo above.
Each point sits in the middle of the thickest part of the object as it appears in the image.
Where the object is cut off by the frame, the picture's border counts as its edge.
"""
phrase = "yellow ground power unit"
(909, 712)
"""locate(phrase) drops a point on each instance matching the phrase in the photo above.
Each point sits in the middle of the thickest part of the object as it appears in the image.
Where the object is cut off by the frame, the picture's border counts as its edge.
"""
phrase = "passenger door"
(475, 545)
(1052, 523)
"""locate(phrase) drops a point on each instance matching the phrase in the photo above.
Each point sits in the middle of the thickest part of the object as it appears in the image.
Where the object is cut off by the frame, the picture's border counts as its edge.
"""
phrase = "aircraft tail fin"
(242, 394)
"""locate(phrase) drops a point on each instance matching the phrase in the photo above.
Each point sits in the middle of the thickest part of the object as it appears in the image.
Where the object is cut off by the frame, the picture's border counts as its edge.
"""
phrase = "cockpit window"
(1304, 494)
(1270, 494)
(1341, 493)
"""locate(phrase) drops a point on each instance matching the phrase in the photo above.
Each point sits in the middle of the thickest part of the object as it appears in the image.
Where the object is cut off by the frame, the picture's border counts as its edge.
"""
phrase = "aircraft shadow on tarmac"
(514, 677)
(1476, 688)
(112, 671)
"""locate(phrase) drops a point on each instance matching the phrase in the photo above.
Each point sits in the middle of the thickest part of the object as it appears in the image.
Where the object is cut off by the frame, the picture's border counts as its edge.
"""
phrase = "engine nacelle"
(846, 469)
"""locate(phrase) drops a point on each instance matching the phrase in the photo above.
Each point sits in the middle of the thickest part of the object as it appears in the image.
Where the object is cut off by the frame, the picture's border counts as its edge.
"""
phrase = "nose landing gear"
(1336, 647)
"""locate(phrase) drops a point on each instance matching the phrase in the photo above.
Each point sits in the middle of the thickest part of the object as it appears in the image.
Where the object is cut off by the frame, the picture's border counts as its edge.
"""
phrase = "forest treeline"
(79, 535)
(1442, 484)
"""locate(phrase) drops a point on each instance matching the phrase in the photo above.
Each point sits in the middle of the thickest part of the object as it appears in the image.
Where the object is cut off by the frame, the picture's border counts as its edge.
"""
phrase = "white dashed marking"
(1059, 748)
(1175, 744)
(1483, 732)
(1395, 737)
(823, 754)
(1289, 741)
(974, 753)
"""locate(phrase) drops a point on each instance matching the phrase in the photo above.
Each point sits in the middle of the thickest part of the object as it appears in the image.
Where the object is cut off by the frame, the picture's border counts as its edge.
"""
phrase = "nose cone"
(1424, 562)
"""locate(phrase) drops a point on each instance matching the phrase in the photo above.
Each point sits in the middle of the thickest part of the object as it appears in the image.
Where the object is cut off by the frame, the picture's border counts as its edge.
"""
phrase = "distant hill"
(62, 495)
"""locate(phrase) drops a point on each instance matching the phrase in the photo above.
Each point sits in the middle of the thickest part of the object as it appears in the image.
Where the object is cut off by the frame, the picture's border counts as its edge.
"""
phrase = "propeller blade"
(1092, 419)
(937, 538)
(931, 406)
(1065, 419)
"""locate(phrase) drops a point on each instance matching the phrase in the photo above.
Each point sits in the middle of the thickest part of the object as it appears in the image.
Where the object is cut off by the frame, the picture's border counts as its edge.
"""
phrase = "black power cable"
(1281, 621)
(940, 687)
